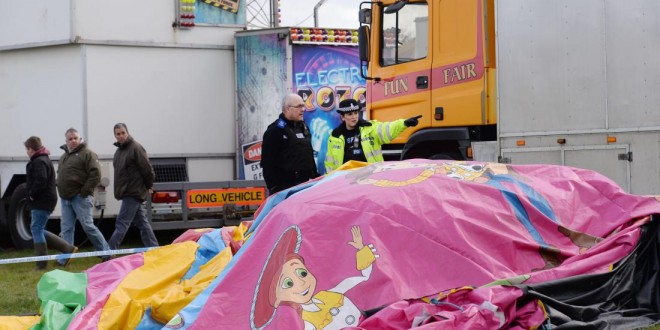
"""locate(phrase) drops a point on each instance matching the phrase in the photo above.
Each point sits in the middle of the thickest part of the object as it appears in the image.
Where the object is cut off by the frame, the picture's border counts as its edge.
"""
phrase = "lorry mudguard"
(431, 142)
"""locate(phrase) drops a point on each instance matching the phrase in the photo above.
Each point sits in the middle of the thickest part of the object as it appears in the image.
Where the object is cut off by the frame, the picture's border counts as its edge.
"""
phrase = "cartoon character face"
(466, 172)
(296, 284)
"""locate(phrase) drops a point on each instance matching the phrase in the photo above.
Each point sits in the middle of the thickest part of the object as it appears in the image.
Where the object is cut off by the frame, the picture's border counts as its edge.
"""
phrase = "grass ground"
(18, 282)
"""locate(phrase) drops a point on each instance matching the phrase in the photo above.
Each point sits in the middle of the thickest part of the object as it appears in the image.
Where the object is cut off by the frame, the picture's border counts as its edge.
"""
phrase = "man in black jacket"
(134, 178)
(42, 196)
(287, 157)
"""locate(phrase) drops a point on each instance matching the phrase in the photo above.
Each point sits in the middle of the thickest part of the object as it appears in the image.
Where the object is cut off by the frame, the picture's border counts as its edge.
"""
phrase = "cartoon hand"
(357, 238)
(365, 257)
(320, 131)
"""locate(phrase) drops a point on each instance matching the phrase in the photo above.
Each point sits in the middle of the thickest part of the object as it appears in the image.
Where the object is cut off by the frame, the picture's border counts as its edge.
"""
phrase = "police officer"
(361, 140)
(287, 157)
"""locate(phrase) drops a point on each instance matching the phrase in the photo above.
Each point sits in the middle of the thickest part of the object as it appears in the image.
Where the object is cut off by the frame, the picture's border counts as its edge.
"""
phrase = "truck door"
(458, 89)
(401, 60)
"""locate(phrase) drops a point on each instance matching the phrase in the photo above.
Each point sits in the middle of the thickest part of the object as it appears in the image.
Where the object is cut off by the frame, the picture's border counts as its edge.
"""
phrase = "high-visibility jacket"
(373, 135)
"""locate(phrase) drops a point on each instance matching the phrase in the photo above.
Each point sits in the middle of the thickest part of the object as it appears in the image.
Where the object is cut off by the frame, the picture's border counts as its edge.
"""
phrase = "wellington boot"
(61, 245)
(40, 249)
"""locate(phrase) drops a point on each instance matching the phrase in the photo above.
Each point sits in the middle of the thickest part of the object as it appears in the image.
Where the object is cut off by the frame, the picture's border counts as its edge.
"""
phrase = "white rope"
(74, 255)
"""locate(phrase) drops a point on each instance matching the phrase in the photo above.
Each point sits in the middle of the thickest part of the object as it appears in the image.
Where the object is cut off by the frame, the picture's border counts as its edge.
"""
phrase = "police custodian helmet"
(348, 105)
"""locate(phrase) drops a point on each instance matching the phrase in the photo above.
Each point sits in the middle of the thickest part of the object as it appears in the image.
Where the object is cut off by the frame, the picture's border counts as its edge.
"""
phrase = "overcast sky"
(332, 14)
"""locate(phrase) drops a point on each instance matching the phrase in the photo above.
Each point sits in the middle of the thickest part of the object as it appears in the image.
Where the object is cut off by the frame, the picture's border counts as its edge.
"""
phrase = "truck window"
(404, 34)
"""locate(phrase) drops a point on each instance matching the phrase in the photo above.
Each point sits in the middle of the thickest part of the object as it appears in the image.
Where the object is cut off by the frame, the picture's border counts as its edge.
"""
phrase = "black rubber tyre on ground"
(19, 218)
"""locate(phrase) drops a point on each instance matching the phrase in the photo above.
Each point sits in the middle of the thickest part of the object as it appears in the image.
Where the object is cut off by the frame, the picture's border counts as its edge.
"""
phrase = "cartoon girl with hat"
(285, 280)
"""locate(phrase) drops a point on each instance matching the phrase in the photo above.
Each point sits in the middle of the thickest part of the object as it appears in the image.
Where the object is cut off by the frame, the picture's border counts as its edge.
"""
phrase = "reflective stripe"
(370, 156)
(373, 155)
(386, 127)
(335, 153)
(389, 134)
(380, 133)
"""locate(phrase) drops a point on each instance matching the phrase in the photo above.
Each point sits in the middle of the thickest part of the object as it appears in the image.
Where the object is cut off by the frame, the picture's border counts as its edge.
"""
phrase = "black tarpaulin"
(626, 298)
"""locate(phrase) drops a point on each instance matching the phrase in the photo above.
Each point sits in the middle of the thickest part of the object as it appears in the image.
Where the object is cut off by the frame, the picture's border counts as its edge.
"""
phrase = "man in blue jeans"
(134, 178)
(78, 174)
(42, 197)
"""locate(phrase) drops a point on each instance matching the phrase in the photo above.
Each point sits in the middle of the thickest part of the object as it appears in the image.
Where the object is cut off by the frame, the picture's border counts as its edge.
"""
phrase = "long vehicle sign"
(204, 198)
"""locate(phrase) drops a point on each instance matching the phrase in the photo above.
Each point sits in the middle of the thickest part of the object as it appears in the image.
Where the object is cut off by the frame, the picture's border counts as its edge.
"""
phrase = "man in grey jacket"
(78, 174)
(134, 178)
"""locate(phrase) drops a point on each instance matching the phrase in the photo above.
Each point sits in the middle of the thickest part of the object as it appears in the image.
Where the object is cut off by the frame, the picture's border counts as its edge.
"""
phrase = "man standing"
(359, 139)
(134, 178)
(42, 196)
(78, 174)
(287, 157)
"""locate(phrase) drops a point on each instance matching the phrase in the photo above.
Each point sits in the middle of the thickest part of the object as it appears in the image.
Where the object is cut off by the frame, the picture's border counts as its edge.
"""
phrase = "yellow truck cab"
(436, 59)
(559, 82)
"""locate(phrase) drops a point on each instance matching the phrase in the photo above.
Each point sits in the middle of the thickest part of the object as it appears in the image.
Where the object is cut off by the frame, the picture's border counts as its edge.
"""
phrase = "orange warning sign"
(203, 198)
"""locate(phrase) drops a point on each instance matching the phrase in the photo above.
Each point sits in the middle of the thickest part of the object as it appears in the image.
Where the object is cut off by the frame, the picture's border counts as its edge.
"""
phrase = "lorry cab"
(442, 68)
(564, 83)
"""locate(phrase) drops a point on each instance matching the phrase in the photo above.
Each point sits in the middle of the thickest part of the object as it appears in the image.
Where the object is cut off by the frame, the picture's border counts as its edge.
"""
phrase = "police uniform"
(364, 142)
(287, 157)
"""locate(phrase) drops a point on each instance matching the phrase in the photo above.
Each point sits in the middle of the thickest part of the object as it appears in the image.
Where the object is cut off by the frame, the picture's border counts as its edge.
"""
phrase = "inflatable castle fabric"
(426, 244)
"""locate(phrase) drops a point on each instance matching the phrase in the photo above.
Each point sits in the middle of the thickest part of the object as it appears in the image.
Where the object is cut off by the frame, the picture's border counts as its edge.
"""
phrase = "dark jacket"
(287, 157)
(133, 172)
(78, 172)
(40, 181)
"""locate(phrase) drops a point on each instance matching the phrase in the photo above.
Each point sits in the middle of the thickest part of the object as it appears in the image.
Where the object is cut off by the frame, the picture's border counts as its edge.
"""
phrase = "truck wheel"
(19, 218)
(448, 155)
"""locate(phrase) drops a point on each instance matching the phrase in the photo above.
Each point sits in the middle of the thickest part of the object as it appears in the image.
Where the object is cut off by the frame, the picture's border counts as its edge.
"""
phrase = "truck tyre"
(448, 156)
(19, 218)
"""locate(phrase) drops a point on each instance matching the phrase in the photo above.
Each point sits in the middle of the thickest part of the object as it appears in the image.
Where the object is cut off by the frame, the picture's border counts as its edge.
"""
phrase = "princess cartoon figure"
(286, 281)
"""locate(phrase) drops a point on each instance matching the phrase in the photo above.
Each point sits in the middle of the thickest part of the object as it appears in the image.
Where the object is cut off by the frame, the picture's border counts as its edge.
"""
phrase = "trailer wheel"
(20, 218)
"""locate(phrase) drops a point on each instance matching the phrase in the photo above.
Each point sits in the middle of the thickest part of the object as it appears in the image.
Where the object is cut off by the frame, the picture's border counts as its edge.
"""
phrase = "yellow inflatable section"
(169, 302)
(163, 269)
(158, 285)
(18, 322)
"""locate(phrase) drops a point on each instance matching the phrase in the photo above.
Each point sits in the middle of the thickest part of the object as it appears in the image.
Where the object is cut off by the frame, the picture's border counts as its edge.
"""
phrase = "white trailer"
(91, 64)
(578, 84)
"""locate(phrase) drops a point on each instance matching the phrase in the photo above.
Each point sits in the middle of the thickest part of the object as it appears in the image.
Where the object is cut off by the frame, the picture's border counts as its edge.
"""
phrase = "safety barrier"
(74, 255)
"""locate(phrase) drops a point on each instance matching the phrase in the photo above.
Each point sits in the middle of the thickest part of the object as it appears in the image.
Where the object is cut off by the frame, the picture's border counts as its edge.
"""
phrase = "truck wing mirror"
(364, 46)
(365, 16)
(393, 8)
(363, 42)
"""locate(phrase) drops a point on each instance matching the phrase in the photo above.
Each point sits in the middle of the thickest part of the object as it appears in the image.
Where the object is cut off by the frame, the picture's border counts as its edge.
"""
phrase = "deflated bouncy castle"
(426, 244)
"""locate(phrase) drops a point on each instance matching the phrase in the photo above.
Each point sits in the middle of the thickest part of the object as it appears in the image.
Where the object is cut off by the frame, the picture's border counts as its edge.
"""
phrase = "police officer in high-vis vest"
(287, 157)
(359, 139)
